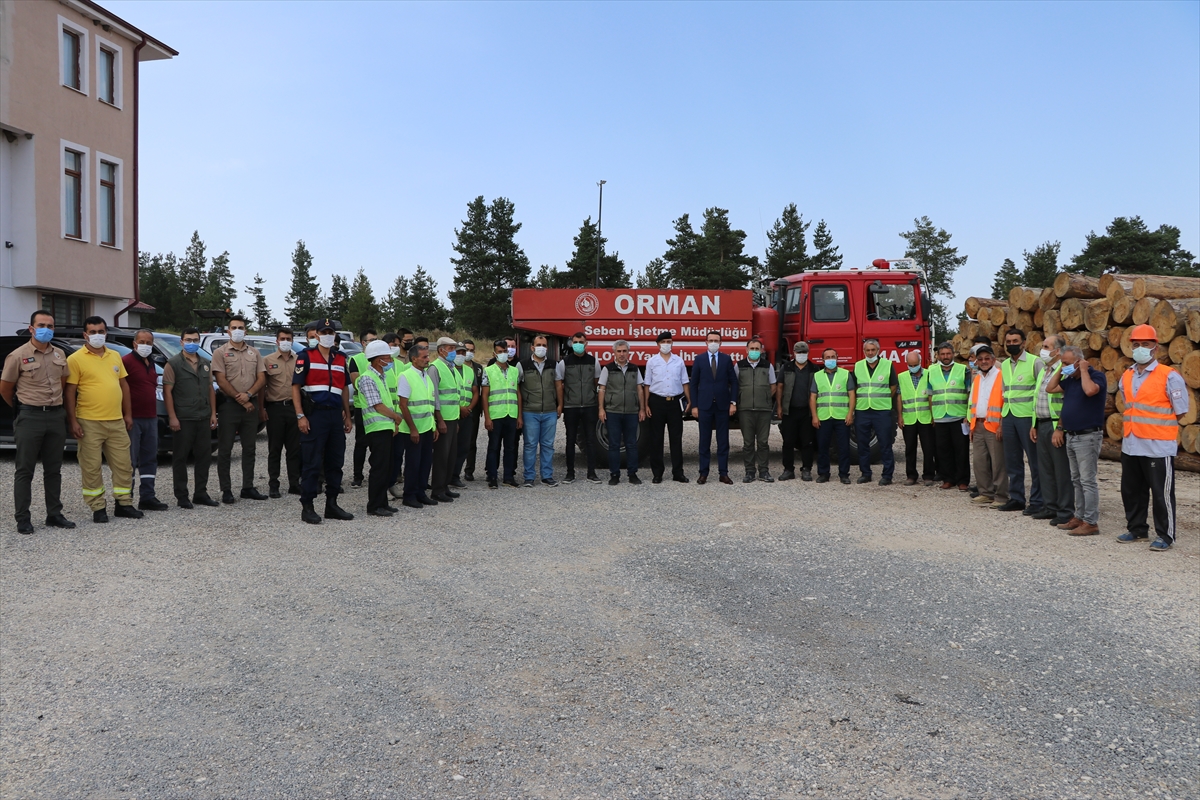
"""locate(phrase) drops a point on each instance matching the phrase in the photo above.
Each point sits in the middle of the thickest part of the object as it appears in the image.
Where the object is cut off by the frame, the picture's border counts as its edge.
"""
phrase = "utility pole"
(599, 239)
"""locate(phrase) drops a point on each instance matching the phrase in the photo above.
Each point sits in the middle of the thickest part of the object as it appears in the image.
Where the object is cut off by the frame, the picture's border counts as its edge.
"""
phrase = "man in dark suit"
(714, 389)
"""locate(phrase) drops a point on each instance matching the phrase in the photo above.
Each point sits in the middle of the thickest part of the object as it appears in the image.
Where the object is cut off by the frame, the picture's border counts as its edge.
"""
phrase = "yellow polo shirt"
(99, 380)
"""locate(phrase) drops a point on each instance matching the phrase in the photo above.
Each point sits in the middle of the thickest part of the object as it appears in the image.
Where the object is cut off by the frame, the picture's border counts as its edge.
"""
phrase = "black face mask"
(407, 344)
(1014, 350)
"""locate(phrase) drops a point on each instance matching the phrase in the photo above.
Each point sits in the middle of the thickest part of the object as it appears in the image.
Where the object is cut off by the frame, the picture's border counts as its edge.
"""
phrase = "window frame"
(812, 308)
(64, 318)
(118, 200)
(873, 303)
(114, 49)
(81, 33)
(85, 208)
(795, 293)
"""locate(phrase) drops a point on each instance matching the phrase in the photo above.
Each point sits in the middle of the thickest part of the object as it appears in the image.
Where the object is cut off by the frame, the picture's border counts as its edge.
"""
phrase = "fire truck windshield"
(898, 303)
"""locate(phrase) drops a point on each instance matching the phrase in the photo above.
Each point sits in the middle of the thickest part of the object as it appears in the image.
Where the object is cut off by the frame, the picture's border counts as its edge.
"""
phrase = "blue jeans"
(1017, 448)
(622, 426)
(881, 423)
(829, 430)
(539, 430)
(1083, 454)
(143, 449)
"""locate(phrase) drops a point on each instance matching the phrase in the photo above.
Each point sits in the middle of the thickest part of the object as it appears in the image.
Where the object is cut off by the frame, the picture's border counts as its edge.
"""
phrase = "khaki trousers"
(107, 438)
(987, 453)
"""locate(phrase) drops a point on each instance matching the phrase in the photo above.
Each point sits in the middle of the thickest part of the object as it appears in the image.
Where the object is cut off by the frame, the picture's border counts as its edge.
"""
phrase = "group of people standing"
(417, 407)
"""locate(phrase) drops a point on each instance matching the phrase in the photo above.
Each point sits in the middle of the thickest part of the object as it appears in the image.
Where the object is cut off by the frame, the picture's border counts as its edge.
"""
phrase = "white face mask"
(512, 352)
(395, 352)
(285, 345)
(327, 340)
(144, 350)
(459, 360)
(714, 347)
(539, 351)
(96, 340)
(237, 334)
(665, 349)
(312, 342)
(1044, 353)
(470, 356)
(872, 359)
(501, 358)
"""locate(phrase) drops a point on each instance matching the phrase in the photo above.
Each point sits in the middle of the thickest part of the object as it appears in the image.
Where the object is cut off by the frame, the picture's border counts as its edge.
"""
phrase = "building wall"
(34, 101)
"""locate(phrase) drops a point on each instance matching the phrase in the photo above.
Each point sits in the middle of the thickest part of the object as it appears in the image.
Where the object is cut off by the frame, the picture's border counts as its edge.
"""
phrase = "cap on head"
(446, 341)
(664, 337)
(983, 348)
(321, 325)
(800, 347)
(1143, 333)
(377, 349)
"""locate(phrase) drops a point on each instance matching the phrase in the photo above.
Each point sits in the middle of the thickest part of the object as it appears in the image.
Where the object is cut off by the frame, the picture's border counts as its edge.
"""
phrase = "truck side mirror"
(926, 308)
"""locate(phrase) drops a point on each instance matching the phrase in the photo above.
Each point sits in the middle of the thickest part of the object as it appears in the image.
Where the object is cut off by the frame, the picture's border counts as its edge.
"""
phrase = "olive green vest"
(914, 399)
(579, 381)
(950, 394)
(449, 392)
(502, 391)
(372, 420)
(754, 387)
(420, 403)
(539, 395)
(874, 388)
(621, 390)
(833, 399)
(1020, 387)
(190, 392)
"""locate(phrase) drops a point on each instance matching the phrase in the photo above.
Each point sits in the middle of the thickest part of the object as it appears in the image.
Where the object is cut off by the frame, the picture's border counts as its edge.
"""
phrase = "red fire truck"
(835, 309)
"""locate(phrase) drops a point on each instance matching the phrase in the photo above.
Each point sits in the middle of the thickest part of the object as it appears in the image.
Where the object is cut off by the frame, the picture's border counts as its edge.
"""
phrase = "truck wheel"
(602, 445)
(876, 456)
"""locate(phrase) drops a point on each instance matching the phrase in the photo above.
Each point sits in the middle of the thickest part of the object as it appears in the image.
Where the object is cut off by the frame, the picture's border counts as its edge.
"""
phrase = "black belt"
(1085, 430)
(668, 398)
(278, 403)
(1040, 420)
(27, 407)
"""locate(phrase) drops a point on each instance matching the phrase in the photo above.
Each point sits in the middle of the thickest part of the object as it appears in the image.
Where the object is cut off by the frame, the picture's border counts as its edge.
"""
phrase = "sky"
(366, 128)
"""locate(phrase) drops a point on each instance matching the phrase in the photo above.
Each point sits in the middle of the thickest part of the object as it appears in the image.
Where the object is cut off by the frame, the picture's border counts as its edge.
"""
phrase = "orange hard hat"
(1144, 333)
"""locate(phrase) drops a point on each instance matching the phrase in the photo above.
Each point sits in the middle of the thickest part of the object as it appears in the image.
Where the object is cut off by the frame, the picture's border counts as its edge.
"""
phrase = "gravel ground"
(593, 641)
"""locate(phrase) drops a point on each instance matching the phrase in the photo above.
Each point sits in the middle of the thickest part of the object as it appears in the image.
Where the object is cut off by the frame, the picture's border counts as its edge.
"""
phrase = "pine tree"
(218, 284)
(158, 285)
(930, 247)
(490, 264)
(787, 252)
(546, 277)
(580, 270)
(1041, 266)
(339, 297)
(654, 276)
(1007, 277)
(394, 312)
(826, 255)
(427, 311)
(362, 311)
(258, 308)
(304, 298)
(685, 256)
(193, 273)
(1129, 246)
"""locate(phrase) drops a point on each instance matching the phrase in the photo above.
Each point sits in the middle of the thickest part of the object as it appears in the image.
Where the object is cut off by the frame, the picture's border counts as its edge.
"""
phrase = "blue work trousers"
(879, 422)
(833, 429)
(1017, 446)
(418, 461)
(322, 450)
(539, 434)
(622, 427)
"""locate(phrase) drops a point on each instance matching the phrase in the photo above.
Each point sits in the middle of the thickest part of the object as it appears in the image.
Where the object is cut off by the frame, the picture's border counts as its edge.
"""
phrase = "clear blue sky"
(365, 128)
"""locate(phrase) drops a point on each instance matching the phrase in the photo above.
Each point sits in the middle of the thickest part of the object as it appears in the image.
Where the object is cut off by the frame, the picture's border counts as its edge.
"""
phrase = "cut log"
(999, 314)
(1189, 438)
(1098, 341)
(1070, 313)
(1096, 316)
(968, 327)
(1093, 362)
(1108, 358)
(1110, 405)
(1193, 411)
(1115, 287)
(1193, 326)
(1142, 310)
(986, 328)
(1024, 321)
(1189, 368)
(1051, 322)
(1169, 317)
(1048, 299)
(1114, 337)
(973, 304)
(1114, 425)
(1033, 342)
(1179, 347)
(1122, 310)
(1024, 298)
(1112, 378)
(1067, 284)
(1169, 287)
(1000, 331)
(1110, 450)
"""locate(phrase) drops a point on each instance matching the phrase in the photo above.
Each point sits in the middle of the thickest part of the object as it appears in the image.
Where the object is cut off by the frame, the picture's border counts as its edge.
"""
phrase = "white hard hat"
(376, 349)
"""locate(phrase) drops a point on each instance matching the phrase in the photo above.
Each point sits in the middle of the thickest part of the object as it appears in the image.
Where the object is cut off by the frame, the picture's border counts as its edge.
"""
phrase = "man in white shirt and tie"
(667, 382)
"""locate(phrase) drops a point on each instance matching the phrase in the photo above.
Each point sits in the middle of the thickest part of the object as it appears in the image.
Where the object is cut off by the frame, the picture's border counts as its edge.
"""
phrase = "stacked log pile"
(1097, 315)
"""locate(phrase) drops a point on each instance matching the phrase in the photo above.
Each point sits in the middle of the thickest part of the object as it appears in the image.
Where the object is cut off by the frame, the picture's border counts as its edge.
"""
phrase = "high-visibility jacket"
(874, 388)
(1054, 399)
(950, 394)
(449, 392)
(372, 420)
(914, 399)
(1149, 414)
(420, 403)
(833, 398)
(465, 385)
(995, 403)
(358, 363)
(1020, 387)
(502, 391)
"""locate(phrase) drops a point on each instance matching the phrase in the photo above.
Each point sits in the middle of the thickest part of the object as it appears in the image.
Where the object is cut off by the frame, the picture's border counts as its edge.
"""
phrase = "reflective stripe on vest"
(465, 385)
(995, 404)
(1149, 414)
(914, 400)
(1020, 387)
(1053, 399)
(833, 399)
(874, 393)
(950, 394)
(391, 379)
(502, 391)
(358, 363)
(372, 420)
(420, 402)
(449, 393)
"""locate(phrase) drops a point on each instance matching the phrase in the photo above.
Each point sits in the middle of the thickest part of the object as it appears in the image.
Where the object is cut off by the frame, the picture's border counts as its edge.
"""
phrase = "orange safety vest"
(1148, 414)
(994, 407)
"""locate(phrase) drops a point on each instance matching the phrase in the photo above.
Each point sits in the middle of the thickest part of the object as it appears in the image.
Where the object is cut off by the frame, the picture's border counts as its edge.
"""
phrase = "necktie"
(714, 364)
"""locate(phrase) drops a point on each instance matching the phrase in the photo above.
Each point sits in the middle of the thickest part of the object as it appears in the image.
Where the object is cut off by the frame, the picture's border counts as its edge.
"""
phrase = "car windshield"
(266, 347)
(897, 303)
(172, 345)
(351, 348)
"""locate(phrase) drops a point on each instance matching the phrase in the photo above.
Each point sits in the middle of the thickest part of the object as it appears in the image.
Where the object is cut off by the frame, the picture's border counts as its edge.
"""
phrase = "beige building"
(68, 160)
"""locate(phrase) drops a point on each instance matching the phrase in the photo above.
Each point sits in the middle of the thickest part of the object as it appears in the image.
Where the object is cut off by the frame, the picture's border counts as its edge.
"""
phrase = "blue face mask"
(191, 348)
(578, 347)
(387, 366)
(43, 335)
(914, 370)
(1068, 370)
(831, 363)
(753, 355)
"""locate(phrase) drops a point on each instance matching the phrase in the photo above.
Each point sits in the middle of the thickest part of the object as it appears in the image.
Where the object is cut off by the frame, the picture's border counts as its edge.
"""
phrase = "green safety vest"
(502, 391)
(874, 390)
(420, 403)
(1020, 387)
(465, 385)
(391, 381)
(358, 363)
(1055, 400)
(950, 395)
(914, 407)
(372, 420)
(449, 392)
(833, 400)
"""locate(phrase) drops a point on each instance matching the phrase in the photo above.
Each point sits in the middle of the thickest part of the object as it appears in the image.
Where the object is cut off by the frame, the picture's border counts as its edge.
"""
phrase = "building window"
(68, 310)
(108, 72)
(72, 50)
(108, 203)
(73, 194)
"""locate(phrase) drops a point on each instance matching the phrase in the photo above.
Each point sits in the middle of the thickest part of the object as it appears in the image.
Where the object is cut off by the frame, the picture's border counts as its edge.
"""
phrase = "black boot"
(334, 511)
(309, 515)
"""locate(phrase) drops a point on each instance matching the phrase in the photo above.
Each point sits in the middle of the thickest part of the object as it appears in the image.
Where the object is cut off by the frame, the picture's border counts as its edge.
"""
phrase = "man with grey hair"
(875, 386)
(1054, 470)
(145, 387)
(1083, 390)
